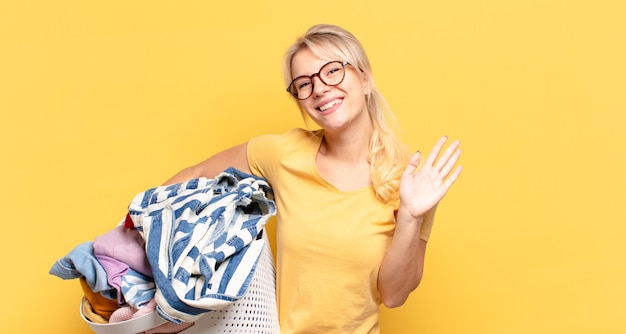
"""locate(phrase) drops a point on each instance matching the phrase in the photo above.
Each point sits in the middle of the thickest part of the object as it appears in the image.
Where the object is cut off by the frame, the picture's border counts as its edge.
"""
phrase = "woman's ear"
(366, 83)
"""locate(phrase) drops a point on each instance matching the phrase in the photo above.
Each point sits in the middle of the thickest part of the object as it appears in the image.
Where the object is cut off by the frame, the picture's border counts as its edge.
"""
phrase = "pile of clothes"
(182, 250)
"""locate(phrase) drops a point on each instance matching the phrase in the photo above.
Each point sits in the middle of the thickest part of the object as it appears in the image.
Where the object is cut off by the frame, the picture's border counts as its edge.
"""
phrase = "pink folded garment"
(124, 245)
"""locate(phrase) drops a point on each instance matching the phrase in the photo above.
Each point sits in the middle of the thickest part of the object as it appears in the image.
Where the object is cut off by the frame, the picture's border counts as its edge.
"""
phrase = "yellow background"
(100, 100)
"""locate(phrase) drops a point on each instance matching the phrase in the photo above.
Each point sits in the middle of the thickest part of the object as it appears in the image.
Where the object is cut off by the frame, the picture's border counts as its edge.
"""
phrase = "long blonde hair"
(388, 155)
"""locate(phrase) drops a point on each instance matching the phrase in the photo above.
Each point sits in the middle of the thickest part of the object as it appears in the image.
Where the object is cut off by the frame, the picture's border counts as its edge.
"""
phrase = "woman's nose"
(319, 86)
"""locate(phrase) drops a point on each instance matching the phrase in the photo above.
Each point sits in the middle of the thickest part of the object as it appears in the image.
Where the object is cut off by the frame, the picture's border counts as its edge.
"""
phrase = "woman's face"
(333, 108)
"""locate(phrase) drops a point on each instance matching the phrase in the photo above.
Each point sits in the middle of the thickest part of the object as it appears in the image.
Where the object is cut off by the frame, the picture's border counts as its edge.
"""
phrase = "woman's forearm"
(403, 266)
(235, 156)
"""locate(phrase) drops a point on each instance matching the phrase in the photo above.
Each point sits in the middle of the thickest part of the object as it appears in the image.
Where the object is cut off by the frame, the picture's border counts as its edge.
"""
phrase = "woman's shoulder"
(266, 152)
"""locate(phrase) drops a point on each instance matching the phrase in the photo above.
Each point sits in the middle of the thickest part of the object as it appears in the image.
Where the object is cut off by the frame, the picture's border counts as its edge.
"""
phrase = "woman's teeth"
(329, 105)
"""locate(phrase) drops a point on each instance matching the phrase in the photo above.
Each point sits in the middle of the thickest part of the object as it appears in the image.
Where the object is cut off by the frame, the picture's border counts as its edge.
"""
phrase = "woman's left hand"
(421, 189)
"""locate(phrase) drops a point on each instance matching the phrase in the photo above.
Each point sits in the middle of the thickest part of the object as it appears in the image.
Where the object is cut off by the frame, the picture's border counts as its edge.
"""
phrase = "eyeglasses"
(331, 74)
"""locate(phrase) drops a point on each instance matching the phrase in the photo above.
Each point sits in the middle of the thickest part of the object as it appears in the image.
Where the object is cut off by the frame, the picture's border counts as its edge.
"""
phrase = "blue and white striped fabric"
(137, 288)
(201, 240)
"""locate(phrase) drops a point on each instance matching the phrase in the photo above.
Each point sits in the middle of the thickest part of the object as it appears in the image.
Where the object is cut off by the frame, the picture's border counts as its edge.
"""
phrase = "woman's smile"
(328, 105)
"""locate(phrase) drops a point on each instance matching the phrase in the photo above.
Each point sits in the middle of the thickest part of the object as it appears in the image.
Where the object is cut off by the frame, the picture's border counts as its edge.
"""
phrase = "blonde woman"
(354, 207)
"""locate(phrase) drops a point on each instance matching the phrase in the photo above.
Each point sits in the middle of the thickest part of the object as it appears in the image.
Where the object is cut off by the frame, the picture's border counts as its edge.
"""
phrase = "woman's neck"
(347, 145)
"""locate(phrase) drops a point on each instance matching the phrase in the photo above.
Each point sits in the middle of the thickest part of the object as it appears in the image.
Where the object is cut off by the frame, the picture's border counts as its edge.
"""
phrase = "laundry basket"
(256, 312)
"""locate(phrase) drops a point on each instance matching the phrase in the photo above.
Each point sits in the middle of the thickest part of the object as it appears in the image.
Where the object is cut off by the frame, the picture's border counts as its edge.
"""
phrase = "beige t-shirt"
(330, 243)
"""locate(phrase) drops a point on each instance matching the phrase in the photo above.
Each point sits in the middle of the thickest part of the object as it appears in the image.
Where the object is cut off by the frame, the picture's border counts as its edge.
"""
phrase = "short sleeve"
(266, 153)
(263, 154)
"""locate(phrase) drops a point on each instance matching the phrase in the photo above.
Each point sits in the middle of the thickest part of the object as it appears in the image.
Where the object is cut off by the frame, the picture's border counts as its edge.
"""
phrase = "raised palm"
(421, 188)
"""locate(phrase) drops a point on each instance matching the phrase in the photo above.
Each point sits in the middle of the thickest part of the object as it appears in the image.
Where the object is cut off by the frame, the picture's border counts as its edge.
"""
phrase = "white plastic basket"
(256, 312)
